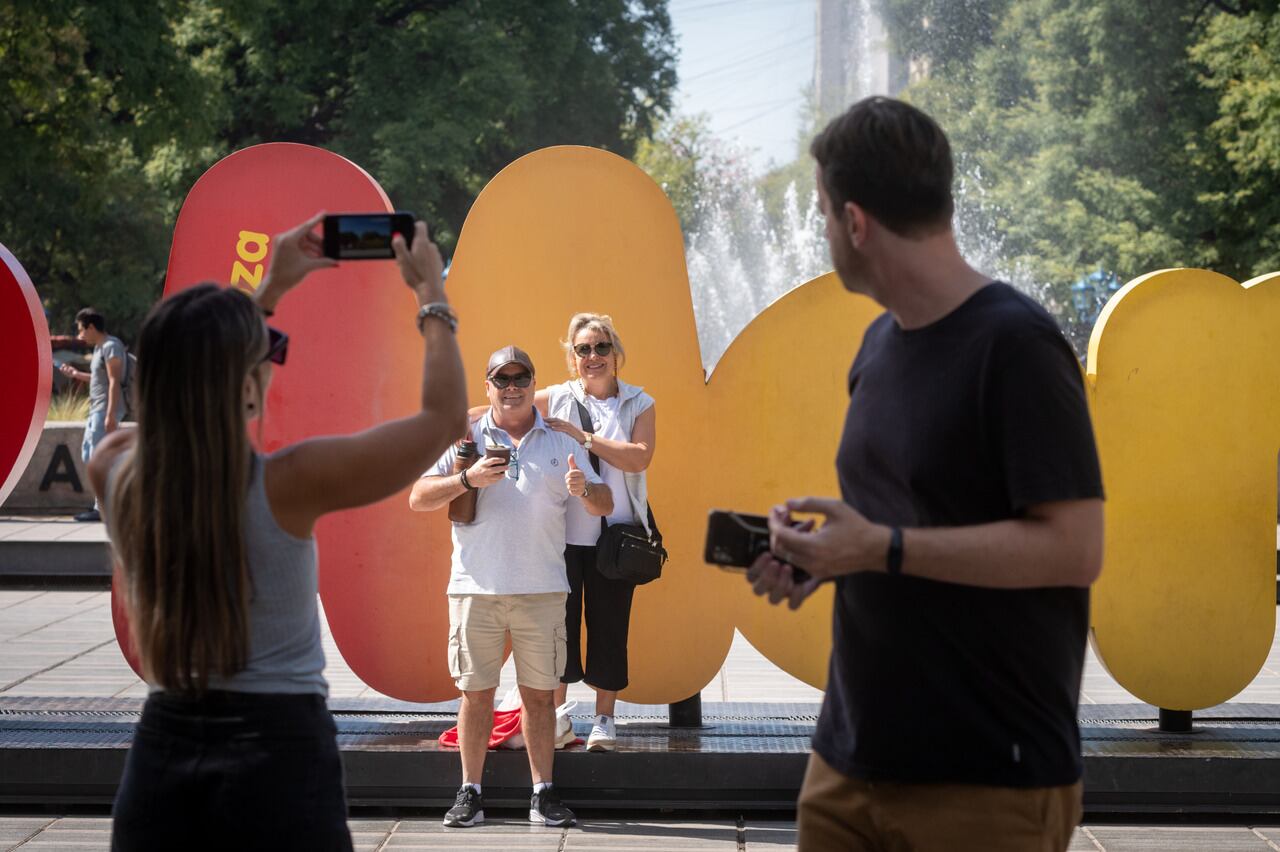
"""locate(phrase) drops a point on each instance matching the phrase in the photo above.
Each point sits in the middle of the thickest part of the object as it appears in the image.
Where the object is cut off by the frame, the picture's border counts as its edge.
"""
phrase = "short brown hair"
(91, 317)
(892, 160)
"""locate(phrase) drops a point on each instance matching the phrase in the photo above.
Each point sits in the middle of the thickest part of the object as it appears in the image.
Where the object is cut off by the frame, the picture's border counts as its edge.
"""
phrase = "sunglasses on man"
(601, 349)
(277, 346)
(502, 382)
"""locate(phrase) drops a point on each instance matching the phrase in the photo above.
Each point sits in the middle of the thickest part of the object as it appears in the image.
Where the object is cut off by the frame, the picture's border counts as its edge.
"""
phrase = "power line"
(730, 84)
(758, 104)
(748, 49)
(749, 59)
(745, 121)
(759, 4)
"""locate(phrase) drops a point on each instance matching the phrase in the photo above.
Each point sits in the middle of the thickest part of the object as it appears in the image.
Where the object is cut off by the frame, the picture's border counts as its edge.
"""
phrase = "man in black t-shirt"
(968, 535)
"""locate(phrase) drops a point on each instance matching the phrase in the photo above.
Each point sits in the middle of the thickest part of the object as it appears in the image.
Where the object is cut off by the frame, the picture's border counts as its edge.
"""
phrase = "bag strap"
(587, 426)
(653, 526)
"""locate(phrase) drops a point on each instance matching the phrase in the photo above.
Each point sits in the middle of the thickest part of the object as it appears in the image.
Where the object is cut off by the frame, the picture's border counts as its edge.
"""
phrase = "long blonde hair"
(601, 323)
(177, 509)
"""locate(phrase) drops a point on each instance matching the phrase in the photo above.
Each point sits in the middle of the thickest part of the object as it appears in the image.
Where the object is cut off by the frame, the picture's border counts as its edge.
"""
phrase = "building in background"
(853, 58)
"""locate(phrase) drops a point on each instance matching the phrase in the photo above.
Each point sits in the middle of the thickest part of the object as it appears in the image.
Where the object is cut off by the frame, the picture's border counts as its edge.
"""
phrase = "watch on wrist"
(586, 442)
(893, 560)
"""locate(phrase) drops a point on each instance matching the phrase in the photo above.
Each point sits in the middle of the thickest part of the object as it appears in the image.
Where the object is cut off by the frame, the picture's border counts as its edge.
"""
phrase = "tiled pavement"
(508, 835)
(61, 643)
(35, 529)
(54, 834)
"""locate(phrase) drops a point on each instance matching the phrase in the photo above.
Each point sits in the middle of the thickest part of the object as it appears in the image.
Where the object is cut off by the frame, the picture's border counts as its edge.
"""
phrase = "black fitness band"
(893, 563)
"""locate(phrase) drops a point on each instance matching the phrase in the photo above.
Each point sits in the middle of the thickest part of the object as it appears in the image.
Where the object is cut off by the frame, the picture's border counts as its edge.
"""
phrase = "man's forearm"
(1063, 549)
(434, 492)
(113, 402)
(599, 500)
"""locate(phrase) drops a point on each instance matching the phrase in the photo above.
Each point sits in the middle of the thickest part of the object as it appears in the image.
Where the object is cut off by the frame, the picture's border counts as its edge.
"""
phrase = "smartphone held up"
(365, 236)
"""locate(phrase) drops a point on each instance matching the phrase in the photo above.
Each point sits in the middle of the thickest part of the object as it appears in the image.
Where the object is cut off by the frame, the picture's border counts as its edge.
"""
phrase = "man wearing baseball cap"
(508, 575)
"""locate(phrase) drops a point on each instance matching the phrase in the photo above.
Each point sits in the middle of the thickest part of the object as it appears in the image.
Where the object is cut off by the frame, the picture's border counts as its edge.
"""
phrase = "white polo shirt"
(516, 544)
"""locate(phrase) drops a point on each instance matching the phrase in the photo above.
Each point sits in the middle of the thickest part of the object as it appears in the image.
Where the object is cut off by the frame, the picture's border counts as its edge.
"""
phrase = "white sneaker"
(604, 735)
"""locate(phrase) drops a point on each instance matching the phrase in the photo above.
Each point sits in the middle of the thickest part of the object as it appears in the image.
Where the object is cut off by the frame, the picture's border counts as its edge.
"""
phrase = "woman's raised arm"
(321, 475)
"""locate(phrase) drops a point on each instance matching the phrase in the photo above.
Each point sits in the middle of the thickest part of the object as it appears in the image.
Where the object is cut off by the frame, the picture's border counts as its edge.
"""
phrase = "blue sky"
(746, 64)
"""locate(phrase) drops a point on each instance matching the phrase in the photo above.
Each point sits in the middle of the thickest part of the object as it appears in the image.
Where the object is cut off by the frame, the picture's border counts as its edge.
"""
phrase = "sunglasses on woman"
(601, 349)
(277, 346)
(520, 380)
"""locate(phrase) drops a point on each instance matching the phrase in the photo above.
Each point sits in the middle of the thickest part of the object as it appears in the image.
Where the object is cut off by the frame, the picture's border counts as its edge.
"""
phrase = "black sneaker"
(545, 807)
(467, 810)
(91, 515)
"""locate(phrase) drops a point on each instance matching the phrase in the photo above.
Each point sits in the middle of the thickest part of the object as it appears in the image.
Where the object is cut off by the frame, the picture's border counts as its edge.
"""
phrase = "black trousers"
(608, 610)
(232, 770)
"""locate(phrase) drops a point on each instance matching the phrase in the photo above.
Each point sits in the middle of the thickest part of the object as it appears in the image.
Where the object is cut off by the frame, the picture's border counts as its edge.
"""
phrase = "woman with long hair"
(236, 748)
(622, 437)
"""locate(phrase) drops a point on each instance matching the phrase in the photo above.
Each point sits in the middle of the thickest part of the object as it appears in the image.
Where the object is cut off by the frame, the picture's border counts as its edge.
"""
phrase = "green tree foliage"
(114, 109)
(692, 166)
(1240, 56)
(1112, 133)
(89, 91)
(943, 32)
(775, 183)
(700, 172)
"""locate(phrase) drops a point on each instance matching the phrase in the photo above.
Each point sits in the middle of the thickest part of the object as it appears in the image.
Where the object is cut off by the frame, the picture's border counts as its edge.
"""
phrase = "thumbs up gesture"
(575, 480)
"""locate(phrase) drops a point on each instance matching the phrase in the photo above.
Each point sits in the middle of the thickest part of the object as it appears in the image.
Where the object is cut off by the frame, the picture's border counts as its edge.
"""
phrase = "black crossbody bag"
(625, 551)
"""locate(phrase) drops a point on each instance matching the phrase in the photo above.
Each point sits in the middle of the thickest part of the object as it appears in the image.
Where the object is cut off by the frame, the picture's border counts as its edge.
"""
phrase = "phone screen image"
(364, 236)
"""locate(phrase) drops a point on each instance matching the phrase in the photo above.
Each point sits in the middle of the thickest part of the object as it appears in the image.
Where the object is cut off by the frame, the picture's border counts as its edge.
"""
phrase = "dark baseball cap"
(509, 355)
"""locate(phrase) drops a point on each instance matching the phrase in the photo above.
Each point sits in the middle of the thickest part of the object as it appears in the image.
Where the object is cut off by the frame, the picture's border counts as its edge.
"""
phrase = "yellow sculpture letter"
(1186, 389)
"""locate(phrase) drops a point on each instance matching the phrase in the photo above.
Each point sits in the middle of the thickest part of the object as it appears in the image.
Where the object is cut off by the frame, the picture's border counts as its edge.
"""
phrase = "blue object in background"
(1091, 292)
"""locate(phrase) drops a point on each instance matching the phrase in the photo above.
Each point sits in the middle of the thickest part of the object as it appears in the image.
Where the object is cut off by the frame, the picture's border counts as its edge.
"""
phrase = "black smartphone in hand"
(365, 236)
(736, 539)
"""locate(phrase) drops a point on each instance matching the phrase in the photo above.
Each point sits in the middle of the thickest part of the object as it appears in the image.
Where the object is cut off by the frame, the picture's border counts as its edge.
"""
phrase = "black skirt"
(232, 770)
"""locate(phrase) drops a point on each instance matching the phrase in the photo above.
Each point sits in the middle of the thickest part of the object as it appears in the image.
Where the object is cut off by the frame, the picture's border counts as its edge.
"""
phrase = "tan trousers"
(836, 812)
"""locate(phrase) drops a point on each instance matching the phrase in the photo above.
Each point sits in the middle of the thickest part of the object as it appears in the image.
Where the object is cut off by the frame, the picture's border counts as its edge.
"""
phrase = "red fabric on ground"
(506, 724)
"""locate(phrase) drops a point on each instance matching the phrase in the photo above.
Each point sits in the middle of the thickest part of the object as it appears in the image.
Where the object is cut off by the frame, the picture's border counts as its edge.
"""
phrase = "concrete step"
(43, 547)
(747, 755)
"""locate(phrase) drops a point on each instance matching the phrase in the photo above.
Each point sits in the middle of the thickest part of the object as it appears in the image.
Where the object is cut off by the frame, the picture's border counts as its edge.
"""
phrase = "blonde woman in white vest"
(624, 426)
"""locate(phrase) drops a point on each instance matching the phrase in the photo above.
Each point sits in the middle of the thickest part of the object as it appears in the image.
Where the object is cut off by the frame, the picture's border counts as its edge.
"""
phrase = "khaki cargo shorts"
(478, 630)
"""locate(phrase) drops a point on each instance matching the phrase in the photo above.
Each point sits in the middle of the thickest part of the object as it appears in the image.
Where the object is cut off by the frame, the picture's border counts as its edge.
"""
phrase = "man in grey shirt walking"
(105, 378)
